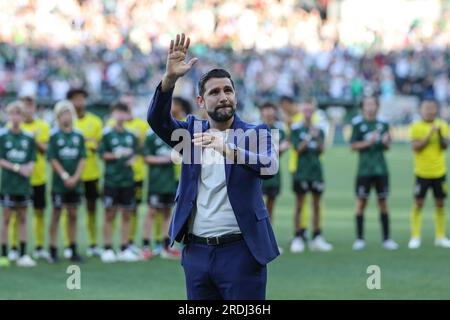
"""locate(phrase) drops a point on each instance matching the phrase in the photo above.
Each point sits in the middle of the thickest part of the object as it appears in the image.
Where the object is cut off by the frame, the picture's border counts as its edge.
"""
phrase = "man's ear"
(200, 101)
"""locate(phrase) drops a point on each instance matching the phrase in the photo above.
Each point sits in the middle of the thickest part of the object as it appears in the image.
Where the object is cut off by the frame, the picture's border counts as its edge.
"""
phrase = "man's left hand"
(208, 140)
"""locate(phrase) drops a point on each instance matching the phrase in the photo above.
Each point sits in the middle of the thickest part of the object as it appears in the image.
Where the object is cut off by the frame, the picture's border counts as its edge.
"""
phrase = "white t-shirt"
(213, 215)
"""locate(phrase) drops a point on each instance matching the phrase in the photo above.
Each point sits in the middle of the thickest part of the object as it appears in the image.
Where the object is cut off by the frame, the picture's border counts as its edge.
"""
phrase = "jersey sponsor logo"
(312, 144)
(123, 150)
(16, 155)
(369, 135)
(68, 153)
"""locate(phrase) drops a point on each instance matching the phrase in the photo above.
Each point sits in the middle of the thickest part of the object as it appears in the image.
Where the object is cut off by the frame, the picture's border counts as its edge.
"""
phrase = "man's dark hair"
(28, 99)
(185, 105)
(286, 98)
(374, 97)
(214, 73)
(266, 105)
(430, 100)
(76, 91)
(120, 106)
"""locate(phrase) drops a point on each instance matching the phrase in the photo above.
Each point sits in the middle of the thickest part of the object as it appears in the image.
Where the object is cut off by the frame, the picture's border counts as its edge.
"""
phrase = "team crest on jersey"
(114, 141)
(312, 144)
(128, 140)
(158, 142)
(304, 135)
(379, 126)
(8, 144)
(60, 142)
(364, 127)
(24, 144)
(76, 140)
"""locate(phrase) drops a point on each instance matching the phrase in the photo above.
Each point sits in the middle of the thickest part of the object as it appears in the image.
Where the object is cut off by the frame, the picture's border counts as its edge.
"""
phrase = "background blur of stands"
(336, 51)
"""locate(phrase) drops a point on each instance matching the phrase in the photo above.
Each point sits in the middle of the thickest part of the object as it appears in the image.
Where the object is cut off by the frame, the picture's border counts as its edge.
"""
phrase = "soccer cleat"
(442, 242)
(127, 256)
(77, 258)
(359, 244)
(53, 260)
(147, 254)
(319, 244)
(170, 253)
(108, 256)
(41, 254)
(414, 243)
(93, 252)
(297, 245)
(390, 244)
(158, 249)
(135, 249)
(13, 255)
(4, 262)
(67, 253)
(26, 261)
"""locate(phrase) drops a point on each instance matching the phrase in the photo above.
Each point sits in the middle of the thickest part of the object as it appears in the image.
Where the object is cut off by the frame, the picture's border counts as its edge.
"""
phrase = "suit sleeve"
(264, 160)
(159, 117)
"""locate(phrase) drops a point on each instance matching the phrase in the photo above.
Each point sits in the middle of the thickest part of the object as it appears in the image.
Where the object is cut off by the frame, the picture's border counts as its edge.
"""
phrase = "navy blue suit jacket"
(243, 180)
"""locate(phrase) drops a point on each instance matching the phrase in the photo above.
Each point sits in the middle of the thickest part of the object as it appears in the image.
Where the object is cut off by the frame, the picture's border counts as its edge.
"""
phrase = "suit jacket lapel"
(198, 166)
(237, 123)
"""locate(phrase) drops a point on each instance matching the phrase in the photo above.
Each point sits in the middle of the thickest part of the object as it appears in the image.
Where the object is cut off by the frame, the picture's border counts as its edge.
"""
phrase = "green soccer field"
(340, 274)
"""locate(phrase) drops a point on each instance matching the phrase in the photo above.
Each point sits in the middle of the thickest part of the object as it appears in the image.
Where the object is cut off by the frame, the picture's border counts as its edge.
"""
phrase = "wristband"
(65, 176)
(16, 167)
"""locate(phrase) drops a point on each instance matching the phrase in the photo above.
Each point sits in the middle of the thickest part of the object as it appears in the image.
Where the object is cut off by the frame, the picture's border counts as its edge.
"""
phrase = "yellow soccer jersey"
(429, 163)
(91, 127)
(292, 153)
(139, 128)
(40, 130)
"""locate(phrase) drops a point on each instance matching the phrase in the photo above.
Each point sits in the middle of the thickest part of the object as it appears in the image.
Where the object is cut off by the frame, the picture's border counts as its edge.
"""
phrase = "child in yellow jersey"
(429, 141)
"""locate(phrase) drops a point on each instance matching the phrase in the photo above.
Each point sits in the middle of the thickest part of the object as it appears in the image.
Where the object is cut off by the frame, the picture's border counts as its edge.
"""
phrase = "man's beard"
(221, 116)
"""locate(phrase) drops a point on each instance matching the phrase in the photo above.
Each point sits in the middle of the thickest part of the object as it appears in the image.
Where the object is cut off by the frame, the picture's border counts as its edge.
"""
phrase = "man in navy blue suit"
(219, 212)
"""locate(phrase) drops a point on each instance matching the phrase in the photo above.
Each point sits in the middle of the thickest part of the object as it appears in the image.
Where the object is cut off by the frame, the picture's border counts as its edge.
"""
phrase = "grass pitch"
(340, 274)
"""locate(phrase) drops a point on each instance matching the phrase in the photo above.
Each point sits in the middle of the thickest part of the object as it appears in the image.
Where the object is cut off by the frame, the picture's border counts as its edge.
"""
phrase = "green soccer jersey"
(68, 149)
(162, 178)
(371, 159)
(17, 148)
(118, 174)
(275, 181)
(309, 167)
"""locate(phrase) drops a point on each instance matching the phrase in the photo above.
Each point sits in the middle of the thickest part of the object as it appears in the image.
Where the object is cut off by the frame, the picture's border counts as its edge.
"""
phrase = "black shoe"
(53, 260)
(77, 258)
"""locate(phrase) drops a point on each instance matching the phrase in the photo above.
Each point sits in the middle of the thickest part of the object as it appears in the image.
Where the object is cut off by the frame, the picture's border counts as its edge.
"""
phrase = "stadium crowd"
(111, 47)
